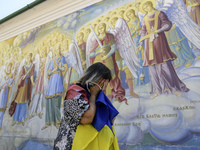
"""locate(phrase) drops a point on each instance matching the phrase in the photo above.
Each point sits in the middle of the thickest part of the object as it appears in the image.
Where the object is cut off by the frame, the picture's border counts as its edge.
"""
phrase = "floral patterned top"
(73, 111)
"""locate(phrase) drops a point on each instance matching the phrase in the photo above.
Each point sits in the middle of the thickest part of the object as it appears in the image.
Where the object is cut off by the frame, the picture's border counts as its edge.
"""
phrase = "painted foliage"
(152, 50)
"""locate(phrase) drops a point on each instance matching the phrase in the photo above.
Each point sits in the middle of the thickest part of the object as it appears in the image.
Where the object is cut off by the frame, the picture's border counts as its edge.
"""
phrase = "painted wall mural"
(152, 49)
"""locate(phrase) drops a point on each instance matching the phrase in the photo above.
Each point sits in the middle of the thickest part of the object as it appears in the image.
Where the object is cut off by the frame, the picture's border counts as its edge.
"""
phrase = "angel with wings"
(103, 48)
(75, 69)
(73, 59)
(37, 103)
(116, 24)
(135, 26)
(158, 56)
(5, 87)
(177, 13)
(55, 87)
(19, 106)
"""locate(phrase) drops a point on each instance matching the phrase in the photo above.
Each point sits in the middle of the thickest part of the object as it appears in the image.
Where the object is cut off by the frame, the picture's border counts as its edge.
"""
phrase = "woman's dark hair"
(94, 73)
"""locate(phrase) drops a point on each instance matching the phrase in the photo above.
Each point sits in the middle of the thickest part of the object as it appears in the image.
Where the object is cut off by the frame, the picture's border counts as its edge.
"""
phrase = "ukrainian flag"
(100, 135)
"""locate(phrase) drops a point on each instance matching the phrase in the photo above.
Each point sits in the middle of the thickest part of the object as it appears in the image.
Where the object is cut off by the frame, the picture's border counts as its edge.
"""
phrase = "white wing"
(178, 14)
(2, 73)
(37, 65)
(75, 59)
(90, 40)
(126, 46)
(46, 81)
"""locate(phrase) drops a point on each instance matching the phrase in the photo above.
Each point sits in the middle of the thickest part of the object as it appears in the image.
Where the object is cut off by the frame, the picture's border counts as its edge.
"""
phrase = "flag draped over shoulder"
(99, 135)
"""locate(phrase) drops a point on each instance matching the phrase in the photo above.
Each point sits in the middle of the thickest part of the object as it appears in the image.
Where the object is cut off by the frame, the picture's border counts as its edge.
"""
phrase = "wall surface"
(154, 60)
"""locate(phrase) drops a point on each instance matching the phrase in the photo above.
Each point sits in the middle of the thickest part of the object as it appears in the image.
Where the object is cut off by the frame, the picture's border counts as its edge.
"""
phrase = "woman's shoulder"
(75, 91)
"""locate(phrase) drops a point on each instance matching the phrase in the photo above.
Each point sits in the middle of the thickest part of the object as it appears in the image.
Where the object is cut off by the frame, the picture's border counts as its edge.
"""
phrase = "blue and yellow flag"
(100, 135)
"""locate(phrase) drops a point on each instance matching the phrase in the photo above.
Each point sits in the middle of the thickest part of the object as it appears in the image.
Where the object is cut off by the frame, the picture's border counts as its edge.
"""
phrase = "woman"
(88, 114)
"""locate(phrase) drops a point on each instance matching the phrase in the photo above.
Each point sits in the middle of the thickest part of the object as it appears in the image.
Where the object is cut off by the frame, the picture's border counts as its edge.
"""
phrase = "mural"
(152, 49)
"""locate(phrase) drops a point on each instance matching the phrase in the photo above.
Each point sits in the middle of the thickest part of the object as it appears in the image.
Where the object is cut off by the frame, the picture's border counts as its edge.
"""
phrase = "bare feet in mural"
(13, 123)
(23, 123)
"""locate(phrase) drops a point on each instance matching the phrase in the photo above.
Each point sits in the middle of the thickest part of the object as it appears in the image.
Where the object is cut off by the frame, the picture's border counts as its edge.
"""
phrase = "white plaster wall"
(41, 14)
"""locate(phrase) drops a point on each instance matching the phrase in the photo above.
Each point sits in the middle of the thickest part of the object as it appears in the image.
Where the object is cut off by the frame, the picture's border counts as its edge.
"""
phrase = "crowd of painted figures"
(34, 81)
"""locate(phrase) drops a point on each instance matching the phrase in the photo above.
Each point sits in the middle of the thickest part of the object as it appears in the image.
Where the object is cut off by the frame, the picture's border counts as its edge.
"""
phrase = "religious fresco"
(152, 49)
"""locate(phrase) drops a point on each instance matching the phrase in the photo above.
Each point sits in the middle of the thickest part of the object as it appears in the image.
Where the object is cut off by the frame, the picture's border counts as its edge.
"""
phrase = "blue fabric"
(1, 117)
(21, 112)
(105, 112)
(56, 79)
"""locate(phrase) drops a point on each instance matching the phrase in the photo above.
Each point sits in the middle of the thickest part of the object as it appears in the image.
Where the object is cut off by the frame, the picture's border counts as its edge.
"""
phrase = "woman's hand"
(94, 90)
(88, 116)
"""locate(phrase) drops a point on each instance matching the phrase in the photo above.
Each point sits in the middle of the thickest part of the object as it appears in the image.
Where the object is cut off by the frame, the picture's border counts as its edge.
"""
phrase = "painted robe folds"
(23, 96)
(54, 92)
(4, 95)
(158, 56)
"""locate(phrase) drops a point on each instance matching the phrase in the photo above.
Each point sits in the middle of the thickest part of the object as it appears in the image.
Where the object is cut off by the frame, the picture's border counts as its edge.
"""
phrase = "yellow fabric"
(147, 19)
(88, 138)
(22, 96)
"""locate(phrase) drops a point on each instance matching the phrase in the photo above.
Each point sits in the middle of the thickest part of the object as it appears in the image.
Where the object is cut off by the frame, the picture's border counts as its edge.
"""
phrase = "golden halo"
(98, 20)
(108, 13)
(103, 22)
(3, 61)
(129, 5)
(88, 28)
(44, 49)
(10, 63)
(144, 1)
(119, 11)
(94, 25)
(106, 17)
(82, 28)
(30, 53)
(110, 21)
(125, 17)
(79, 33)
(15, 54)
